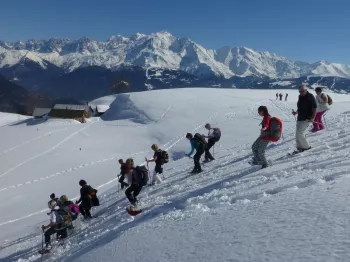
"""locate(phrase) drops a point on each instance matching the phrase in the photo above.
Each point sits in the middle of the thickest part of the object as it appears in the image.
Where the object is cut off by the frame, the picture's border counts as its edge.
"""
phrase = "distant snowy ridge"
(162, 50)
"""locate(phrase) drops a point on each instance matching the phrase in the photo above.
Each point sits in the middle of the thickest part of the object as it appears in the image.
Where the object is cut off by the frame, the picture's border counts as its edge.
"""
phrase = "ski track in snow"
(47, 151)
(181, 194)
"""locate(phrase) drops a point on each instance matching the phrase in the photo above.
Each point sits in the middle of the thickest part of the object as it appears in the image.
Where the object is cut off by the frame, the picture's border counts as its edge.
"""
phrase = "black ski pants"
(211, 143)
(132, 192)
(121, 181)
(61, 234)
(158, 169)
(85, 208)
(197, 158)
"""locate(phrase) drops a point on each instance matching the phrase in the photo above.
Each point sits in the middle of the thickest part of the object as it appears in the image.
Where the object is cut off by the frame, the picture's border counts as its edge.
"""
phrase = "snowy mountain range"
(162, 50)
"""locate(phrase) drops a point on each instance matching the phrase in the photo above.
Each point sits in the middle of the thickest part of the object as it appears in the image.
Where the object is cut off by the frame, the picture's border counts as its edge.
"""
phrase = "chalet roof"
(41, 111)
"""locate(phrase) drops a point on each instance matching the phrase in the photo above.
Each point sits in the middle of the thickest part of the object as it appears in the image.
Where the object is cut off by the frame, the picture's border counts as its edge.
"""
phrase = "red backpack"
(275, 129)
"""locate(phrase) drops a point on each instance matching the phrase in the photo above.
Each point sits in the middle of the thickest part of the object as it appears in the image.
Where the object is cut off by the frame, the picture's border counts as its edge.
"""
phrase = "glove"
(294, 113)
(43, 227)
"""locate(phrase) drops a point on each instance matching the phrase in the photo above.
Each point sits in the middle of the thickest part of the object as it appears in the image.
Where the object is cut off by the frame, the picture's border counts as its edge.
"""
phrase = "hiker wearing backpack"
(281, 96)
(323, 101)
(88, 199)
(260, 144)
(199, 144)
(56, 225)
(307, 108)
(124, 169)
(214, 135)
(71, 208)
(137, 179)
(160, 158)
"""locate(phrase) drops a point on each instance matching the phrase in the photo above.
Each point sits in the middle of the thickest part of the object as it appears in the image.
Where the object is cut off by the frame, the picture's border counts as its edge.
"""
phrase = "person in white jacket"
(322, 107)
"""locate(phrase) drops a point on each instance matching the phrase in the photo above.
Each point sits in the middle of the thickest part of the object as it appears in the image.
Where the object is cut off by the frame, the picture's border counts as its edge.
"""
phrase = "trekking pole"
(214, 151)
(118, 183)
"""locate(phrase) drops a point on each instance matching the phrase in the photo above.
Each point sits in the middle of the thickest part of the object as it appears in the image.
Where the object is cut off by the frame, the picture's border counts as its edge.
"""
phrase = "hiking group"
(309, 110)
(63, 212)
(280, 95)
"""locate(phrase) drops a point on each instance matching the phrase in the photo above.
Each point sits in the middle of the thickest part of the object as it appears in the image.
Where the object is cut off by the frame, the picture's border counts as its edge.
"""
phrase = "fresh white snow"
(295, 210)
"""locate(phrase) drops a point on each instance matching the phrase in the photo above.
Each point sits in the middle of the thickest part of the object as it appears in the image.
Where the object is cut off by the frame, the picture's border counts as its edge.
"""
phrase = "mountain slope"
(162, 50)
(230, 212)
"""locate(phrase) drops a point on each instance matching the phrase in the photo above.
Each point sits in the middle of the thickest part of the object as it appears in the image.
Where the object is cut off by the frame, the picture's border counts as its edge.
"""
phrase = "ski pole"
(214, 151)
(325, 122)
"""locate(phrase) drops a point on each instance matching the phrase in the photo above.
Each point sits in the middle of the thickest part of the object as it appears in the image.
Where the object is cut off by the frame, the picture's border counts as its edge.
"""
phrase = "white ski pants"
(300, 137)
(156, 178)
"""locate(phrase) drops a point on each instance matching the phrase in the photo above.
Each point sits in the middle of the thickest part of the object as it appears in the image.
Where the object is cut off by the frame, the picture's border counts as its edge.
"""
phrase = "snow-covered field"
(295, 210)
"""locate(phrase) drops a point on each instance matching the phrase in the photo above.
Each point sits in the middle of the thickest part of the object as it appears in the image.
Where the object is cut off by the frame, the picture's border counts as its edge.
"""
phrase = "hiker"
(214, 135)
(199, 144)
(306, 114)
(160, 157)
(88, 199)
(281, 96)
(137, 179)
(286, 97)
(260, 144)
(276, 96)
(69, 207)
(322, 106)
(124, 169)
(55, 225)
(53, 197)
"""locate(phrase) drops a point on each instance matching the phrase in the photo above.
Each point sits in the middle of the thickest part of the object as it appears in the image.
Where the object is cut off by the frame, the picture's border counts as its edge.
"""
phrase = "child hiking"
(199, 144)
(271, 131)
(160, 157)
(137, 179)
(214, 135)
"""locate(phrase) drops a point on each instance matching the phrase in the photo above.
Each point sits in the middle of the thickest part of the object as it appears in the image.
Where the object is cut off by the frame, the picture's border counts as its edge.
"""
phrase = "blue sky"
(308, 30)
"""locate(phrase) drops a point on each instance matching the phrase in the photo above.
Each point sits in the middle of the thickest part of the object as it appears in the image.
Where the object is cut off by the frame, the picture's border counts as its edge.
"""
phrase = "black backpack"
(141, 176)
(164, 156)
(200, 140)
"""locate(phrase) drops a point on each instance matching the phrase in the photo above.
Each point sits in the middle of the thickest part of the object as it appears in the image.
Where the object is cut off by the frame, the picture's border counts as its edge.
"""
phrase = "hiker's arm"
(266, 124)
(192, 149)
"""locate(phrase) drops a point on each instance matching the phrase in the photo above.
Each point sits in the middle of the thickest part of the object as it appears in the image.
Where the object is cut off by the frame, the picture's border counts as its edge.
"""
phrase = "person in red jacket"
(259, 146)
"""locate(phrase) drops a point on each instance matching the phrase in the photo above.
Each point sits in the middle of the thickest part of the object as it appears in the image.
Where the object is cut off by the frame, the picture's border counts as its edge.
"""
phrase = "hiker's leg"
(301, 140)
(128, 193)
(261, 151)
(255, 150)
(211, 143)
(137, 190)
(320, 120)
(48, 234)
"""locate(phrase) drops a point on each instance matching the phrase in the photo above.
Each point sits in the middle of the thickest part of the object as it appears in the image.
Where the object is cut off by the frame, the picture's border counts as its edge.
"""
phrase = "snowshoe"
(254, 163)
(133, 212)
(44, 251)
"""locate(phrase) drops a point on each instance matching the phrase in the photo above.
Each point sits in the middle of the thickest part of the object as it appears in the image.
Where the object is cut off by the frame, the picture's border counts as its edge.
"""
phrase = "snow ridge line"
(45, 152)
(100, 186)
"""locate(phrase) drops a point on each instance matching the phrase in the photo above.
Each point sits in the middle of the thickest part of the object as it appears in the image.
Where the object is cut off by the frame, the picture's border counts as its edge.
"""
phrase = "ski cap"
(82, 182)
(53, 196)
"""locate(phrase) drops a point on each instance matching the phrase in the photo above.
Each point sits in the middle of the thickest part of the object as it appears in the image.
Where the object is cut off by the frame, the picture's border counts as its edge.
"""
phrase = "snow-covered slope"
(295, 210)
(162, 50)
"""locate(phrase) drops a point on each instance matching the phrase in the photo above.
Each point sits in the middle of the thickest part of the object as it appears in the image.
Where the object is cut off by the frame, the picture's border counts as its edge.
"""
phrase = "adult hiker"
(214, 135)
(281, 96)
(306, 114)
(286, 97)
(124, 169)
(88, 199)
(276, 96)
(199, 144)
(55, 225)
(160, 157)
(322, 101)
(137, 179)
(260, 144)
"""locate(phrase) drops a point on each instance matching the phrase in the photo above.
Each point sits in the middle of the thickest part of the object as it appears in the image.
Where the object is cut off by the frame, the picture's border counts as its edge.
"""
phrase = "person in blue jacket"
(198, 143)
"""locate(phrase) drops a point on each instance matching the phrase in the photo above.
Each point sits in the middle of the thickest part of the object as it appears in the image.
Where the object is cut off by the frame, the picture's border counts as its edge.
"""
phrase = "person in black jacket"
(306, 114)
(88, 199)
